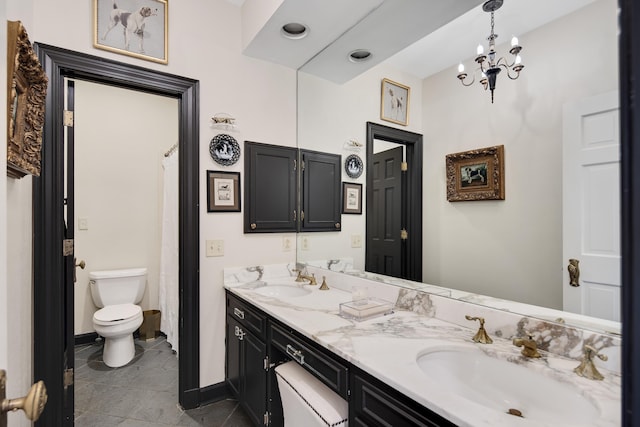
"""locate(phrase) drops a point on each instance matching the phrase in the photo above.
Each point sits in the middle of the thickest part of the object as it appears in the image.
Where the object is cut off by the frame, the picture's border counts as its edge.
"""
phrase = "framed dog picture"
(351, 198)
(223, 191)
(394, 102)
(136, 28)
(476, 174)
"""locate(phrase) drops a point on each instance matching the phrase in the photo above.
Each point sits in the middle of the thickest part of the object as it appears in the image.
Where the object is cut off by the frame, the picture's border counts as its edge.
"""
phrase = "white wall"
(513, 248)
(204, 44)
(329, 115)
(118, 185)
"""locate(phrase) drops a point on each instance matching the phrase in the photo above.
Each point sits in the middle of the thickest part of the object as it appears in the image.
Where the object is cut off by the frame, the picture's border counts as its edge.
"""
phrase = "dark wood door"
(254, 377)
(321, 201)
(384, 243)
(270, 188)
(232, 349)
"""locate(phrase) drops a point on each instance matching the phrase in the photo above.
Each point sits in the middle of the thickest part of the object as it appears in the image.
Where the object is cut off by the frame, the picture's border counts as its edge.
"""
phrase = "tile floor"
(142, 393)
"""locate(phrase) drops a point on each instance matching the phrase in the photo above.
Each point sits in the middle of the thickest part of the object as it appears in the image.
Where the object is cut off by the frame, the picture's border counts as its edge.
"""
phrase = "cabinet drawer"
(309, 355)
(247, 316)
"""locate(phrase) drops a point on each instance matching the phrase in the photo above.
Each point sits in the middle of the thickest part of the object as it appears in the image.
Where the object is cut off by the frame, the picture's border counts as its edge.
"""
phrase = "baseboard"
(214, 393)
(88, 338)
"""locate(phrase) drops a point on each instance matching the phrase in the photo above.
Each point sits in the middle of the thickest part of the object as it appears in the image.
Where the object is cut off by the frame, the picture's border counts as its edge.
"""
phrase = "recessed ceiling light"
(359, 55)
(294, 31)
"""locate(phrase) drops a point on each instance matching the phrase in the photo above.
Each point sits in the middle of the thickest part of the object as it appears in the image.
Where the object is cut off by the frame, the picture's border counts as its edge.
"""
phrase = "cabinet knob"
(337, 225)
(253, 226)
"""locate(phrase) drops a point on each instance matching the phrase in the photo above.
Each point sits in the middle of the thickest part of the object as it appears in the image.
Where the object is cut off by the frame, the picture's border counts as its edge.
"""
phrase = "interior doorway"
(52, 253)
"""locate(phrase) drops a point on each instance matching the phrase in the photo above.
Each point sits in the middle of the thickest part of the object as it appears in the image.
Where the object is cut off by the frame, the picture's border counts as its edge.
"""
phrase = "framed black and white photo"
(476, 174)
(136, 28)
(351, 198)
(394, 102)
(223, 191)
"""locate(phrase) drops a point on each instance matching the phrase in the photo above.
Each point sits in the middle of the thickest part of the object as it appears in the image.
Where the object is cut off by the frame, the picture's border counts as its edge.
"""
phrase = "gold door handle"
(32, 404)
(80, 264)
(574, 272)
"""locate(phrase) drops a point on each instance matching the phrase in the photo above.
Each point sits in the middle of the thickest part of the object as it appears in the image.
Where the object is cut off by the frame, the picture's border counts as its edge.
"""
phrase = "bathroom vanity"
(410, 367)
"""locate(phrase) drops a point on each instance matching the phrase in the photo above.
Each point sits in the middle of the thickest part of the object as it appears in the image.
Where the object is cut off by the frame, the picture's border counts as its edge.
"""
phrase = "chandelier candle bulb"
(460, 68)
(480, 49)
(514, 41)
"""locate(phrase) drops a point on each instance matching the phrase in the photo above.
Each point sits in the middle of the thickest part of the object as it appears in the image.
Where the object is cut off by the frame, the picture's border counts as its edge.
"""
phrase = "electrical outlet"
(304, 243)
(356, 240)
(215, 248)
(287, 244)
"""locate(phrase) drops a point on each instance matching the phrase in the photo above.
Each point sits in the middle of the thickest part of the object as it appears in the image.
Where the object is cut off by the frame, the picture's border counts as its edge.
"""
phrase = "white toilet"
(117, 292)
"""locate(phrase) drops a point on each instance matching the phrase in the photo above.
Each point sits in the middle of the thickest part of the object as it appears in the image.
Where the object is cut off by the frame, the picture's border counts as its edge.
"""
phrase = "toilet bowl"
(116, 324)
(117, 292)
(306, 401)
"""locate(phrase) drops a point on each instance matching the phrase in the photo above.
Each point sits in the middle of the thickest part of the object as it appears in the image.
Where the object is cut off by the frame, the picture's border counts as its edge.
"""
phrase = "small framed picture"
(476, 175)
(223, 191)
(136, 28)
(394, 103)
(351, 198)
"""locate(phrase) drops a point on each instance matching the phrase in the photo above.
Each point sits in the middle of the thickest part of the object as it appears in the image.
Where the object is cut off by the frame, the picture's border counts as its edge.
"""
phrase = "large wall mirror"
(504, 250)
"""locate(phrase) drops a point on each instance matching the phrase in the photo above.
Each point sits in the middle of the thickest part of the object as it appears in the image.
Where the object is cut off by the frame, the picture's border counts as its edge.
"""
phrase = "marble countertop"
(388, 346)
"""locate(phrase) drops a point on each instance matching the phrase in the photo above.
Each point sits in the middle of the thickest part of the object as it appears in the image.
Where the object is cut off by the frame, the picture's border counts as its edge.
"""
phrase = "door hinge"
(267, 365)
(404, 166)
(67, 247)
(403, 234)
(67, 118)
(265, 418)
(68, 378)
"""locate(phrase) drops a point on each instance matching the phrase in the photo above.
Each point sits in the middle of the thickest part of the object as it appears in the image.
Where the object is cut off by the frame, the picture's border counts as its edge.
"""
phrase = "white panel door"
(591, 205)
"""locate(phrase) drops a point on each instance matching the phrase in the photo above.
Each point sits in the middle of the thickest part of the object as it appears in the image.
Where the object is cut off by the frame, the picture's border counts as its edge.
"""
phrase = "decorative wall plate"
(224, 149)
(353, 166)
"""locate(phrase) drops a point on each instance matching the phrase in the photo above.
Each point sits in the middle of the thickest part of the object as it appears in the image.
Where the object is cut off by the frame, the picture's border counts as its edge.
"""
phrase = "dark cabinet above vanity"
(289, 190)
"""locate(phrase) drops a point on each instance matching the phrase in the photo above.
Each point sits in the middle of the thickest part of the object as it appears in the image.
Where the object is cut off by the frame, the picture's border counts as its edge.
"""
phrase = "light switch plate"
(287, 243)
(304, 243)
(356, 240)
(215, 248)
(83, 223)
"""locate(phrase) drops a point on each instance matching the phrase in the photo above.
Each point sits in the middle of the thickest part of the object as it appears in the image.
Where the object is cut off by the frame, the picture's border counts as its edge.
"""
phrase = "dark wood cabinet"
(375, 404)
(246, 358)
(256, 343)
(321, 192)
(274, 180)
(270, 188)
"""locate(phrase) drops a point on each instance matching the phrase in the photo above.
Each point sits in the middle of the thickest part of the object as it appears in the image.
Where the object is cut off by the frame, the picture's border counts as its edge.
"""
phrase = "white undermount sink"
(279, 291)
(501, 385)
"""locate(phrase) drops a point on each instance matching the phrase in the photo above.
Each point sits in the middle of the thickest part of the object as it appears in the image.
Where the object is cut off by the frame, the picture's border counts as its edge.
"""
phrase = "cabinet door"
(374, 403)
(232, 366)
(270, 188)
(321, 194)
(254, 378)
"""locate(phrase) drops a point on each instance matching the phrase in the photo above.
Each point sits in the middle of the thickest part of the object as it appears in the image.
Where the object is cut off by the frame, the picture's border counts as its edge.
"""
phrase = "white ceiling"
(421, 37)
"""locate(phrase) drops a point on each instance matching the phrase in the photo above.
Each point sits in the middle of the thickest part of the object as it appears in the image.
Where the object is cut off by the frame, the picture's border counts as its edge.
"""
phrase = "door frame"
(413, 143)
(48, 217)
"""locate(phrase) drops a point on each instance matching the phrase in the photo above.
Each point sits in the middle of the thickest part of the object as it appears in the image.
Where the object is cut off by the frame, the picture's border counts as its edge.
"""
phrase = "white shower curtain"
(169, 298)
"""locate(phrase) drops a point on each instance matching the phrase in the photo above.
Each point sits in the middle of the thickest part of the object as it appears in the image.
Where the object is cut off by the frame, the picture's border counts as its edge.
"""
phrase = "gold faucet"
(324, 286)
(586, 368)
(529, 346)
(481, 336)
(303, 277)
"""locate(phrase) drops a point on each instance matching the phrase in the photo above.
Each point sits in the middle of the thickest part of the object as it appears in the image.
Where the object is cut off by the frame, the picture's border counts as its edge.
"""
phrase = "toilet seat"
(115, 314)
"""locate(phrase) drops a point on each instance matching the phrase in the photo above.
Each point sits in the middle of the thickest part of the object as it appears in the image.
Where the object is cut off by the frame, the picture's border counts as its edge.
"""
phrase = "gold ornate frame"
(476, 175)
(26, 95)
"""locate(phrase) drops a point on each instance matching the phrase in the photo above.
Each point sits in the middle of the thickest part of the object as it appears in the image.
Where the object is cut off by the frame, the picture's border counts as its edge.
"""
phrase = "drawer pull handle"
(239, 313)
(240, 333)
(296, 354)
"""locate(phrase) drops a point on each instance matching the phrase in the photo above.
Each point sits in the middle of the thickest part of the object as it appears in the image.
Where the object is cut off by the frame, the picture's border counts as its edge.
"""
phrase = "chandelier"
(489, 67)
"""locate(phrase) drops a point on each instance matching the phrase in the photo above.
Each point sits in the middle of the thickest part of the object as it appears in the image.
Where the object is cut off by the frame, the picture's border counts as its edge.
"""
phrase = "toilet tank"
(109, 287)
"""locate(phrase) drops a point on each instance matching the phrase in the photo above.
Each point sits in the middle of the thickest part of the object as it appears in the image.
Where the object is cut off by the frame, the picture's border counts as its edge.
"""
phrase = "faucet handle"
(587, 368)
(481, 336)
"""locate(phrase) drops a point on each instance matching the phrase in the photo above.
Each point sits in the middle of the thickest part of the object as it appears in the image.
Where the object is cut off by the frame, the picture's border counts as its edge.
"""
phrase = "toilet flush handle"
(80, 264)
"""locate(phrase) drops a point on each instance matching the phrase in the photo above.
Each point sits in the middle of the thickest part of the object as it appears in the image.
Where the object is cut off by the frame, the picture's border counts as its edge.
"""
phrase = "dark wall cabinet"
(264, 342)
(289, 190)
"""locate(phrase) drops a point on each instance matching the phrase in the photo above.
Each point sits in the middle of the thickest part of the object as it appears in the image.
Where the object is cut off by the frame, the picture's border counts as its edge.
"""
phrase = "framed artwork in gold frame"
(145, 35)
(394, 102)
(476, 175)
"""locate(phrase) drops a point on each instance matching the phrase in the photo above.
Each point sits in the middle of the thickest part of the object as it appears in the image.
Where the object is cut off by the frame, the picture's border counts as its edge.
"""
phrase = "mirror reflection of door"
(384, 240)
(394, 202)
